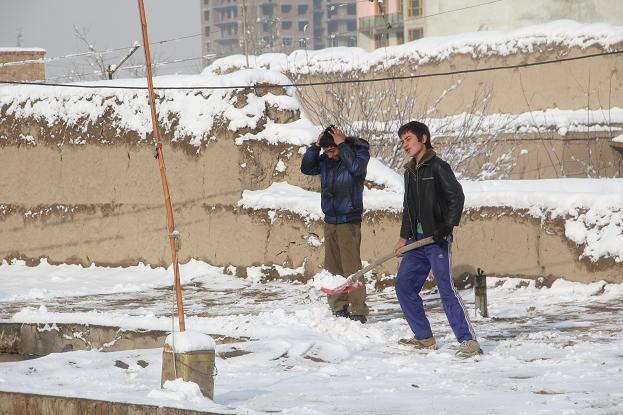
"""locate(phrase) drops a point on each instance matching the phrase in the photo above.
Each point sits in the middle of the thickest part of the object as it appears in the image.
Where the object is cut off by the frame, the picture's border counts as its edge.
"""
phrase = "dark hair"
(417, 128)
(327, 139)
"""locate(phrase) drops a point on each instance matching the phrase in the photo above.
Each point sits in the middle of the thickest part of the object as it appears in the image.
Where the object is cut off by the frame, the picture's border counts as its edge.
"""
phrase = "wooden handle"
(380, 260)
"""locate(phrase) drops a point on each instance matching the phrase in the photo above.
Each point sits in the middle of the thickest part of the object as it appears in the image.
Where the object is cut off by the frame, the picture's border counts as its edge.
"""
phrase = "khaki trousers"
(342, 257)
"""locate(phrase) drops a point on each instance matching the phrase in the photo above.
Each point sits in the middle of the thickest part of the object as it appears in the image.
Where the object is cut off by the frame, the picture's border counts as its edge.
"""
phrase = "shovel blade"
(347, 287)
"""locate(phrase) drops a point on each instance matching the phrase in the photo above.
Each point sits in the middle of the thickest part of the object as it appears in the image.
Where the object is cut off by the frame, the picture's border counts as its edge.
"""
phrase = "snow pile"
(600, 231)
(562, 33)
(191, 114)
(552, 119)
(178, 390)
(189, 341)
(65, 279)
(324, 279)
(286, 197)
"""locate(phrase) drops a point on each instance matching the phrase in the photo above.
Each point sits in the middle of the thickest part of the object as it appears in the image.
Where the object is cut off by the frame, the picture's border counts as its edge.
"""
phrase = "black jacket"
(433, 196)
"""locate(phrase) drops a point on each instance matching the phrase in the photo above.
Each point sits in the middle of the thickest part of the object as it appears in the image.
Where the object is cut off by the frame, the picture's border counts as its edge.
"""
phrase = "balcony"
(375, 23)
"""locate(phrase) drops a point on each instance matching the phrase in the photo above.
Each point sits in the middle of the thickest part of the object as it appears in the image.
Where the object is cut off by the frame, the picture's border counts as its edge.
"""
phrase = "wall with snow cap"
(80, 185)
(564, 113)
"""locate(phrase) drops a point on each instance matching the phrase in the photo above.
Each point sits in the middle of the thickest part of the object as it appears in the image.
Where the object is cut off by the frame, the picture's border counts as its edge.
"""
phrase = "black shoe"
(342, 313)
(359, 318)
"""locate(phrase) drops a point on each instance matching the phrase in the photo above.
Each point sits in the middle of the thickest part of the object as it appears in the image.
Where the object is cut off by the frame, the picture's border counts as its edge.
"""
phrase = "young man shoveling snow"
(433, 203)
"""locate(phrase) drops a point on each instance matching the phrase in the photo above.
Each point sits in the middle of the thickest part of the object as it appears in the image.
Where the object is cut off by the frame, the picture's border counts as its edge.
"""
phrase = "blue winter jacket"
(341, 181)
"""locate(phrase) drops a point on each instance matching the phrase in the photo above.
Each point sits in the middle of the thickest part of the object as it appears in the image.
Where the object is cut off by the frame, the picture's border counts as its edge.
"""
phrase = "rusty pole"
(173, 235)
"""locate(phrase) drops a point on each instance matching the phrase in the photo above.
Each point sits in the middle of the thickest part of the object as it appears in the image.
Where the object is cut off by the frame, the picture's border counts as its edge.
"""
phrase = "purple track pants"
(412, 274)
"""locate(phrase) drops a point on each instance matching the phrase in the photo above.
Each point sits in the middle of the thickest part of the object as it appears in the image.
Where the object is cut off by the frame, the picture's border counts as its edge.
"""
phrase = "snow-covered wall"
(563, 34)
(80, 185)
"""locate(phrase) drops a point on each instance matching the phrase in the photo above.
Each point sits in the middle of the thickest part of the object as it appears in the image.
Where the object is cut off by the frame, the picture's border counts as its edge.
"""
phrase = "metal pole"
(244, 28)
(480, 292)
(173, 234)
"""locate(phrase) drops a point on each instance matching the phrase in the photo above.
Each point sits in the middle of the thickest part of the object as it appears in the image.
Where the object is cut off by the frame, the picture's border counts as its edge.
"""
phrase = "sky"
(110, 24)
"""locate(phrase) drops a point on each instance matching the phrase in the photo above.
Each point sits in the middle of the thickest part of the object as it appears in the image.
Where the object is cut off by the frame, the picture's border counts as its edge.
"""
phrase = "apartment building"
(393, 22)
(263, 26)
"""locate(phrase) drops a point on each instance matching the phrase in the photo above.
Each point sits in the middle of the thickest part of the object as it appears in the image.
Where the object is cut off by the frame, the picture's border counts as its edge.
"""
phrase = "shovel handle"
(380, 260)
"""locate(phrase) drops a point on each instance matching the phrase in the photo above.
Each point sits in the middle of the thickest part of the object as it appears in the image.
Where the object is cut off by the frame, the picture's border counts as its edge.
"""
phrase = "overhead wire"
(338, 82)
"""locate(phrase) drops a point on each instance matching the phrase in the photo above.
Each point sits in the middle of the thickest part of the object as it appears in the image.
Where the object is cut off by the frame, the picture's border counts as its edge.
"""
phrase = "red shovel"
(352, 284)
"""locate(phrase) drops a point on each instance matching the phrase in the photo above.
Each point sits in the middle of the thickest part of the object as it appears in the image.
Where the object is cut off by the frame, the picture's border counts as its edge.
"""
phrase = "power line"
(346, 81)
(93, 52)
(455, 10)
(126, 68)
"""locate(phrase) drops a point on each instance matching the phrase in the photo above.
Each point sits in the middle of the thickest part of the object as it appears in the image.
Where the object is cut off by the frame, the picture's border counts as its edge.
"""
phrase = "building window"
(302, 26)
(285, 8)
(286, 25)
(331, 10)
(332, 27)
(206, 15)
(400, 38)
(267, 10)
(380, 40)
(352, 42)
(351, 25)
(302, 9)
(416, 33)
(351, 9)
(414, 8)
(206, 30)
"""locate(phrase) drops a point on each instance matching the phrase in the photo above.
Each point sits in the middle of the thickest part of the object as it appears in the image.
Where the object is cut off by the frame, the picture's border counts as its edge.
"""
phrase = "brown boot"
(469, 348)
(430, 343)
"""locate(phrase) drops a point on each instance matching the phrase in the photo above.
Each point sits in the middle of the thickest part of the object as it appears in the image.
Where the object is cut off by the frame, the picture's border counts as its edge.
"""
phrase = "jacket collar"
(413, 166)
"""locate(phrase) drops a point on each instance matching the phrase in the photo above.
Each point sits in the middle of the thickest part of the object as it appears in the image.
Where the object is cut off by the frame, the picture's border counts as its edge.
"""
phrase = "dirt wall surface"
(120, 219)
(14, 403)
(82, 186)
(561, 145)
(587, 83)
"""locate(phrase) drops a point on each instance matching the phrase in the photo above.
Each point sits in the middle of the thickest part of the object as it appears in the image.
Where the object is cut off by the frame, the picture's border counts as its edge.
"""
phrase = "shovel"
(352, 284)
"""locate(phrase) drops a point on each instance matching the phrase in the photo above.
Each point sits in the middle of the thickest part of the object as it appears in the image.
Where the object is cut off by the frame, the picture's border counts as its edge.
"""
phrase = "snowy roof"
(560, 33)
(19, 50)
(196, 111)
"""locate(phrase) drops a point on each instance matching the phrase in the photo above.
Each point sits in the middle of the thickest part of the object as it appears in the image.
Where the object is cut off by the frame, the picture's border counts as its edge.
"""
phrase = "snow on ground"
(547, 350)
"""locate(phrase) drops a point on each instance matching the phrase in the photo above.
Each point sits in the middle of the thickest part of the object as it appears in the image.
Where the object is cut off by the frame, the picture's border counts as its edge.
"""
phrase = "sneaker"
(360, 318)
(430, 343)
(342, 313)
(469, 348)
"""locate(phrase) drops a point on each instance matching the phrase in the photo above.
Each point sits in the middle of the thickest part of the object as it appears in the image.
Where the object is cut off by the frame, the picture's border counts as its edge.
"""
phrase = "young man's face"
(332, 152)
(411, 145)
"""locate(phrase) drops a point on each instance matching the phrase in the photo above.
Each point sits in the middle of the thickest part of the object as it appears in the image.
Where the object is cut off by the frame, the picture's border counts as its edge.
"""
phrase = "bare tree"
(95, 60)
(472, 147)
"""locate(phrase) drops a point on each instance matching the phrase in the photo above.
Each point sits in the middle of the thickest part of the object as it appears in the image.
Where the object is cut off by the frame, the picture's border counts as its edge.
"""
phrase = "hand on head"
(338, 135)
